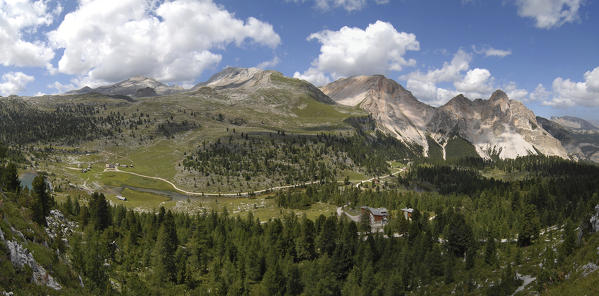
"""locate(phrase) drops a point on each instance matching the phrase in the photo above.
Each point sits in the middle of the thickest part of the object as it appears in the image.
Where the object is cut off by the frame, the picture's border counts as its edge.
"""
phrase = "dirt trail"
(116, 169)
(387, 176)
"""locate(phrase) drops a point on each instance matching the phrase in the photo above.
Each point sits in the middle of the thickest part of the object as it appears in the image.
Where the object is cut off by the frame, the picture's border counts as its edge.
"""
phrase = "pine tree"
(448, 270)
(459, 236)
(364, 223)
(529, 225)
(99, 210)
(326, 239)
(304, 245)
(352, 283)
(42, 200)
(273, 282)
(164, 250)
(10, 178)
(569, 241)
(68, 206)
(490, 250)
(294, 284)
(94, 255)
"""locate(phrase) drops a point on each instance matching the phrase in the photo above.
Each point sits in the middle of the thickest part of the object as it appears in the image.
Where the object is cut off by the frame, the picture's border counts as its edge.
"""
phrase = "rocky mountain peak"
(459, 100)
(575, 123)
(395, 109)
(496, 124)
(136, 86)
(233, 77)
(499, 95)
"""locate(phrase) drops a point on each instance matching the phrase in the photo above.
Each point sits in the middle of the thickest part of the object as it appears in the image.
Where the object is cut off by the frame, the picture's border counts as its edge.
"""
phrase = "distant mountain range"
(138, 86)
(496, 127)
(578, 136)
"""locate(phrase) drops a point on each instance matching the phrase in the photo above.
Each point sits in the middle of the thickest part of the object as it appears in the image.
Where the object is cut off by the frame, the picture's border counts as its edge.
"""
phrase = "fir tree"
(42, 200)
(164, 250)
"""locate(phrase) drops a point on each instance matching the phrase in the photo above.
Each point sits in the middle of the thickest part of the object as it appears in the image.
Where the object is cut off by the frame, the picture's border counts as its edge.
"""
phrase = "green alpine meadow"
(313, 147)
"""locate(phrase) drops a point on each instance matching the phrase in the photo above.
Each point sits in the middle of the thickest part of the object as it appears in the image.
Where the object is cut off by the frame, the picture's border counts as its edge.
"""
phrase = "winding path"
(387, 176)
(116, 169)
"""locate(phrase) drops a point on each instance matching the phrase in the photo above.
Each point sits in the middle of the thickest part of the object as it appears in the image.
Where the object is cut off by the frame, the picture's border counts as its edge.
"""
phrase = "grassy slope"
(160, 157)
(577, 283)
(141, 200)
(458, 148)
(18, 280)
(435, 151)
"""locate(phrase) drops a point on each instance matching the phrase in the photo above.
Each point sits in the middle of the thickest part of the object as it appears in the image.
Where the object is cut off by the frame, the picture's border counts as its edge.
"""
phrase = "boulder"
(20, 256)
(595, 220)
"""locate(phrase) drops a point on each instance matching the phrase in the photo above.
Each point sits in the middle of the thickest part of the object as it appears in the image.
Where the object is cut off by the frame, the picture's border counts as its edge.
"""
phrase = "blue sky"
(542, 52)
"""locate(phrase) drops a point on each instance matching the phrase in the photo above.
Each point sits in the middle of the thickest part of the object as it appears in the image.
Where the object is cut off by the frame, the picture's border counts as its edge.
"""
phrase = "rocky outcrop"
(20, 257)
(58, 224)
(575, 123)
(396, 111)
(588, 269)
(595, 220)
(249, 85)
(497, 126)
(232, 77)
(145, 92)
(138, 86)
(579, 137)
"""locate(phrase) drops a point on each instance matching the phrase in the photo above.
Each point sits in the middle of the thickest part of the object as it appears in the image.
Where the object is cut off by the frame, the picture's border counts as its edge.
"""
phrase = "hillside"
(139, 86)
(467, 233)
(242, 185)
(579, 137)
(497, 126)
(395, 110)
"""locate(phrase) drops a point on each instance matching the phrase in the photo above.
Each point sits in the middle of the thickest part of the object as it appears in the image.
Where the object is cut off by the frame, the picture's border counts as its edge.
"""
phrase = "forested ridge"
(468, 234)
(73, 123)
(291, 158)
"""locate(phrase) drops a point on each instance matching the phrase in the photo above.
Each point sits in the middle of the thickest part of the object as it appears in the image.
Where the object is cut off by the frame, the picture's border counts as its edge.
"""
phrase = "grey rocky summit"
(139, 86)
(497, 125)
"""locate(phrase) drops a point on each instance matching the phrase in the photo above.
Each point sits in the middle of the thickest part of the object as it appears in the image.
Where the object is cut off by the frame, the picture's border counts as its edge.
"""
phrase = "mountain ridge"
(496, 125)
(136, 86)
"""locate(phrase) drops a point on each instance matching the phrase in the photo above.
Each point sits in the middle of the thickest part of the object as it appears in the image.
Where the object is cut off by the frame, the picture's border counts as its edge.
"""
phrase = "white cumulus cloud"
(14, 82)
(354, 51)
(492, 52)
(348, 5)
(540, 93)
(476, 84)
(515, 93)
(550, 13)
(19, 19)
(425, 85)
(269, 64)
(434, 86)
(582, 93)
(174, 41)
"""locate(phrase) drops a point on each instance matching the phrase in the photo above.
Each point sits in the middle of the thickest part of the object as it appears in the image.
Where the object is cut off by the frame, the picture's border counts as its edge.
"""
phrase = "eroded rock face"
(131, 86)
(497, 126)
(595, 220)
(59, 224)
(578, 136)
(396, 111)
(20, 257)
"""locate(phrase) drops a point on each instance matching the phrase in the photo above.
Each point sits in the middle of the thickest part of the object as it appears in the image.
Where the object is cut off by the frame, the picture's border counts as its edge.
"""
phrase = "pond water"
(170, 194)
(27, 179)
